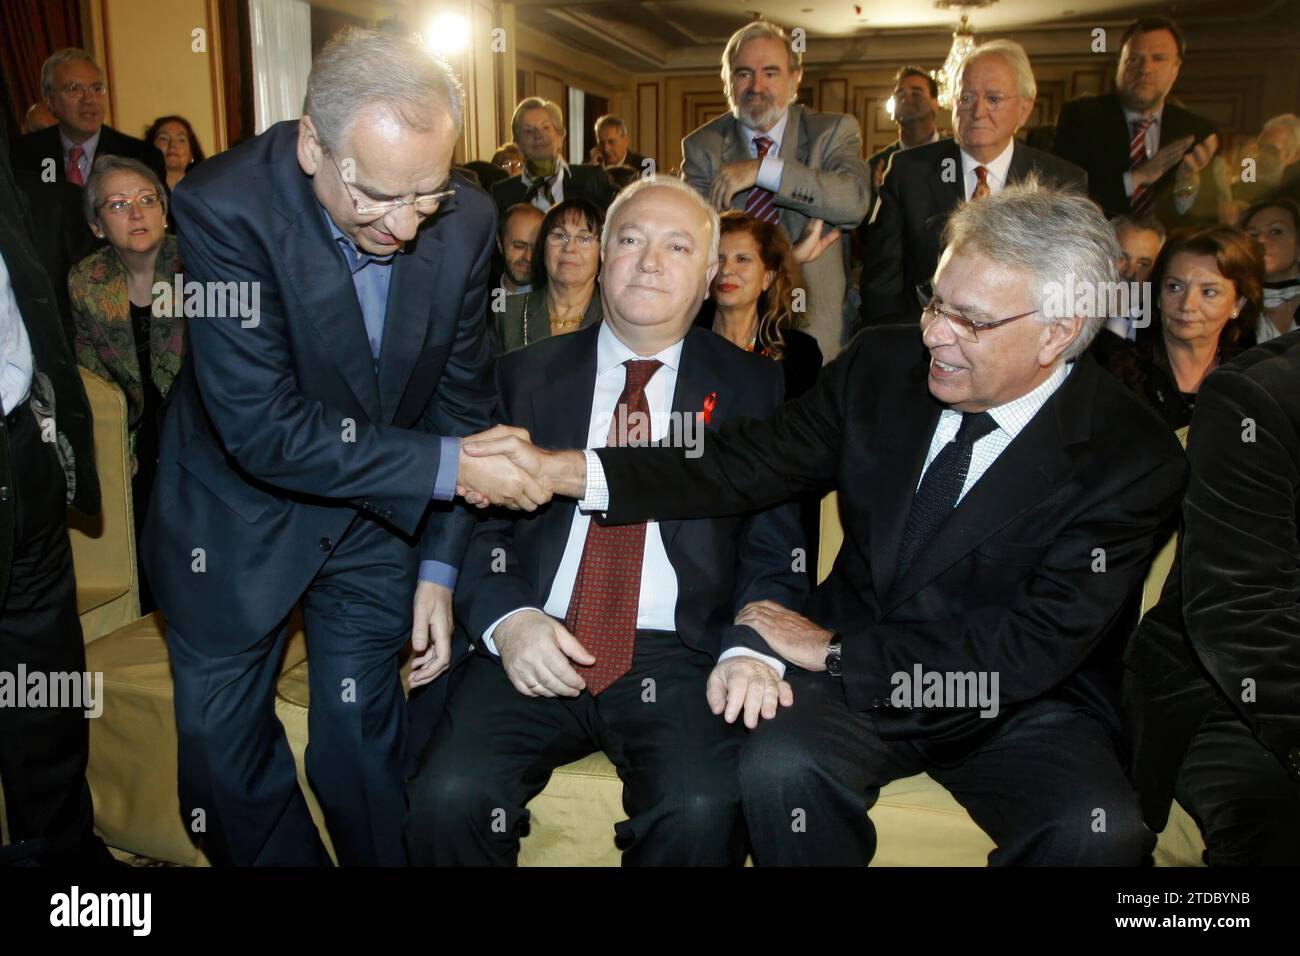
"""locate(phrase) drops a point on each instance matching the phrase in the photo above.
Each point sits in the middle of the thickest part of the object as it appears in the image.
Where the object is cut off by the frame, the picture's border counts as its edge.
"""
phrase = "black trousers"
(43, 750)
(1247, 806)
(1048, 788)
(234, 759)
(495, 750)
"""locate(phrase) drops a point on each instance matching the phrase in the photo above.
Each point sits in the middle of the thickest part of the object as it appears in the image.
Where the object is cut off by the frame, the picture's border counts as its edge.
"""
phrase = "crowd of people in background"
(813, 242)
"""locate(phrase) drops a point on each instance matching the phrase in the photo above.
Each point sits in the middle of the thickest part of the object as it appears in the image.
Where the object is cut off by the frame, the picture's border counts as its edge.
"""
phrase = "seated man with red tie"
(619, 639)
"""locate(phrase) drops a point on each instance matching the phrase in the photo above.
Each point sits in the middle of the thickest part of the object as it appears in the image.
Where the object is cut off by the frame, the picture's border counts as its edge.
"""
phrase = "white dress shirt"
(557, 187)
(1266, 330)
(770, 169)
(998, 168)
(89, 148)
(16, 362)
(1011, 419)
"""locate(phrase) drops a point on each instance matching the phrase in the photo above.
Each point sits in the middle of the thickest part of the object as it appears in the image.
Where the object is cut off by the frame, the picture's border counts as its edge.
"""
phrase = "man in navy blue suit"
(310, 453)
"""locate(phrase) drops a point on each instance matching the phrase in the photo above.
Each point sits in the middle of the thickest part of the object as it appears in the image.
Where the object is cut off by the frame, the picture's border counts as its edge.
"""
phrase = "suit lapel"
(1021, 163)
(947, 193)
(326, 294)
(562, 417)
(693, 386)
(406, 322)
(1027, 471)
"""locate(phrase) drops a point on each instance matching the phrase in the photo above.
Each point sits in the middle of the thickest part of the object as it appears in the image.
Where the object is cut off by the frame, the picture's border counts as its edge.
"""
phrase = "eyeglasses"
(425, 205)
(961, 326)
(76, 89)
(120, 207)
(993, 102)
(585, 240)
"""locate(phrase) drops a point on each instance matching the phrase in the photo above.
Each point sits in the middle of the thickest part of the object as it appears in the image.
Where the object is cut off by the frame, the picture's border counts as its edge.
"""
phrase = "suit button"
(326, 544)
(4, 492)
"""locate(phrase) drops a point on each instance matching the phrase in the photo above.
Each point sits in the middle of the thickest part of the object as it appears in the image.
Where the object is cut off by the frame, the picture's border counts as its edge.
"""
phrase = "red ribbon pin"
(710, 403)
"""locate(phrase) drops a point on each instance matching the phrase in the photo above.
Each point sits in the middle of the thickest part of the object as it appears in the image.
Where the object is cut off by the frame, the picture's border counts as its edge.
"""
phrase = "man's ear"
(1024, 113)
(1060, 335)
(708, 276)
(309, 147)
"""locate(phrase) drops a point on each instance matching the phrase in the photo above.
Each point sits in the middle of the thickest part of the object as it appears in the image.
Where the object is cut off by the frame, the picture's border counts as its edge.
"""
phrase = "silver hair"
(536, 103)
(670, 182)
(759, 29)
(1049, 233)
(359, 68)
(609, 119)
(1291, 123)
(69, 54)
(1014, 55)
(116, 164)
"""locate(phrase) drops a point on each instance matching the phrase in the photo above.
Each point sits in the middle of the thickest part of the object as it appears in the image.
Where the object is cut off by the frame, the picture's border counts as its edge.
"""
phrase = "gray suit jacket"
(825, 177)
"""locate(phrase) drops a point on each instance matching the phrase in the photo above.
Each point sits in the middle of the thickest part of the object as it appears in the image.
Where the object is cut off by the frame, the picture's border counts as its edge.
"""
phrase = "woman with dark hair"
(174, 137)
(565, 295)
(1209, 295)
(752, 300)
(1275, 225)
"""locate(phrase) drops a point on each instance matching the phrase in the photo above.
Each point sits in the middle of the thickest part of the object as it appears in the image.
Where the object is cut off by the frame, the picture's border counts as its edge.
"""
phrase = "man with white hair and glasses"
(310, 452)
(1001, 496)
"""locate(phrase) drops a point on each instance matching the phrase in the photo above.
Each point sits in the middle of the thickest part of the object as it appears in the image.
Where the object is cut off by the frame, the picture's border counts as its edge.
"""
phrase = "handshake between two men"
(541, 654)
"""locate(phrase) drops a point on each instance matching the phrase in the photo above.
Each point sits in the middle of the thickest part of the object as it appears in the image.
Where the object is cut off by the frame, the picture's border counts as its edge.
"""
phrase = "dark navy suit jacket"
(277, 434)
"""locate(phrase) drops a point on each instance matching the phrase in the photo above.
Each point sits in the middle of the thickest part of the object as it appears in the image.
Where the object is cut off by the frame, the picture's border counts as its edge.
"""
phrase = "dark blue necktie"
(941, 487)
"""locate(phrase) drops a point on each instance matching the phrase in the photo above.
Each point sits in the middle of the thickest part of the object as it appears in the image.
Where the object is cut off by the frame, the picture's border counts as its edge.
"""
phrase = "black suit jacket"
(278, 434)
(1230, 608)
(587, 181)
(721, 563)
(51, 354)
(1008, 585)
(31, 151)
(922, 187)
(1091, 132)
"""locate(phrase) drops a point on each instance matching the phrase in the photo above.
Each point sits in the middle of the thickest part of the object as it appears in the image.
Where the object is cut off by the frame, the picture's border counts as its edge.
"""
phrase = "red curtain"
(30, 30)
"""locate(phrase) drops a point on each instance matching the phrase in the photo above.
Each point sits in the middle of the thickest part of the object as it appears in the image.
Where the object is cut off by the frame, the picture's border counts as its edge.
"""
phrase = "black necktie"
(941, 486)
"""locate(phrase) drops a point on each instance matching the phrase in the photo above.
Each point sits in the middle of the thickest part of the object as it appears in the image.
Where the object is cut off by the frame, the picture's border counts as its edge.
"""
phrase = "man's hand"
(535, 651)
(552, 472)
(812, 243)
(749, 683)
(731, 179)
(791, 635)
(1165, 159)
(501, 477)
(430, 633)
(1200, 155)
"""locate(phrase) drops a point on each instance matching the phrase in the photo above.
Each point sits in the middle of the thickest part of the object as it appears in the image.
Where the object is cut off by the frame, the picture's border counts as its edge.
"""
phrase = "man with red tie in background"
(1143, 154)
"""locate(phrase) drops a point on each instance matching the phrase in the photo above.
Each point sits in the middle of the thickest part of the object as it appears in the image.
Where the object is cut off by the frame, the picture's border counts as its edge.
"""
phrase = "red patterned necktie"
(74, 166)
(759, 201)
(607, 591)
(982, 187)
(1142, 198)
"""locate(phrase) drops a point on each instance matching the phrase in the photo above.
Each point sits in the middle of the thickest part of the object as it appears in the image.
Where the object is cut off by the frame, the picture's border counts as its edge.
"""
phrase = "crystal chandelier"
(963, 41)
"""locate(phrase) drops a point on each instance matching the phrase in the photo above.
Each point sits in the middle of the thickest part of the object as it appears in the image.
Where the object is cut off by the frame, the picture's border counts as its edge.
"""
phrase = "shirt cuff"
(436, 572)
(1184, 203)
(596, 497)
(769, 173)
(486, 639)
(1128, 185)
(776, 664)
(444, 483)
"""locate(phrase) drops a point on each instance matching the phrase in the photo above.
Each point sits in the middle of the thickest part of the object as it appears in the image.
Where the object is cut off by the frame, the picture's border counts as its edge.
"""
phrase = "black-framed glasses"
(961, 326)
(425, 205)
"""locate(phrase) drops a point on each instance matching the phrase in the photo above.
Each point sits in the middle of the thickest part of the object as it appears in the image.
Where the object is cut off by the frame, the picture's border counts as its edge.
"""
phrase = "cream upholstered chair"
(103, 547)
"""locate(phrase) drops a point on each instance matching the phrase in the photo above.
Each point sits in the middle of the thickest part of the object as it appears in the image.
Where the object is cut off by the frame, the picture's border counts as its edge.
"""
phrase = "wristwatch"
(833, 651)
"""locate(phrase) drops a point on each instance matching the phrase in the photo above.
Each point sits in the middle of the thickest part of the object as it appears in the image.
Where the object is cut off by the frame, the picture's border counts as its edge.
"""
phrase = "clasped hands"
(502, 466)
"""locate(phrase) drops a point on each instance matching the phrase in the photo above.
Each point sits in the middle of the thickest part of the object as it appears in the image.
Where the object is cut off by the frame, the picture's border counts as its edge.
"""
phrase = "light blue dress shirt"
(16, 362)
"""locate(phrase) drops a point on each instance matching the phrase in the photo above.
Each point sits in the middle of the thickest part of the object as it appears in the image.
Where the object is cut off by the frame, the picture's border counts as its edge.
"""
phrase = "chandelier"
(963, 41)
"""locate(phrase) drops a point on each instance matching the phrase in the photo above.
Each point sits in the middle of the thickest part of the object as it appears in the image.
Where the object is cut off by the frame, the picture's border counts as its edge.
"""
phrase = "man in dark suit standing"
(613, 146)
(1000, 497)
(1143, 154)
(546, 179)
(43, 749)
(310, 451)
(916, 104)
(1213, 667)
(647, 641)
(995, 96)
(73, 86)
